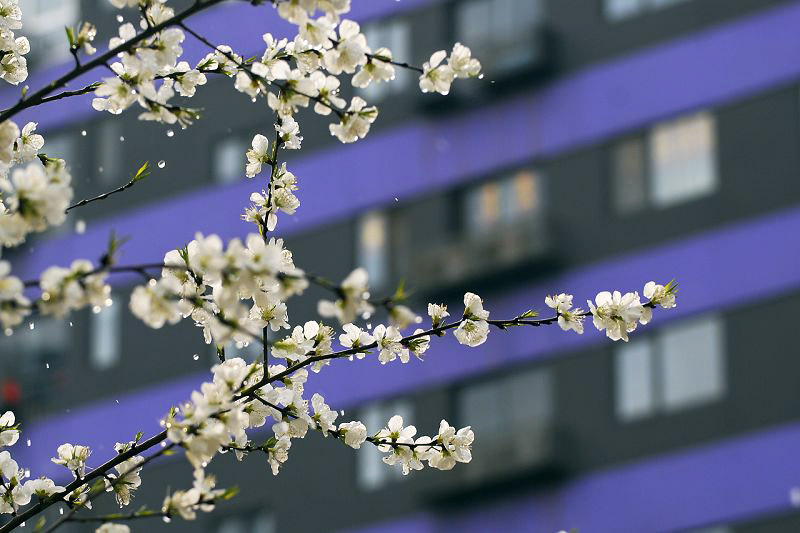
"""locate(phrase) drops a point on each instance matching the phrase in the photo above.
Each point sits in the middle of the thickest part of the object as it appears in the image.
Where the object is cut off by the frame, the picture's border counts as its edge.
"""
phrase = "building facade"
(610, 142)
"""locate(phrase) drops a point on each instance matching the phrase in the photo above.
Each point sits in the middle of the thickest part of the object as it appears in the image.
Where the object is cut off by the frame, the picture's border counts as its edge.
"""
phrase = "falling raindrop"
(61, 510)
(31, 326)
(8, 332)
(119, 18)
(162, 164)
(167, 519)
(96, 309)
(47, 365)
(369, 325)
(83, 133)
(121, 139)
(100, 169)
(70, 323)
(396, 199)
(170, 133)
(163, 444)
(480, 77)
(29, 443)
(80, 227)
(195, 357)
(116, 401)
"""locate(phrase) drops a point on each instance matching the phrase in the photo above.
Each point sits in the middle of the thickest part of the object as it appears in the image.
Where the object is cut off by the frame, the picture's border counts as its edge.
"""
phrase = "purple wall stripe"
(727, 62)
(727, 481)
(694, 262)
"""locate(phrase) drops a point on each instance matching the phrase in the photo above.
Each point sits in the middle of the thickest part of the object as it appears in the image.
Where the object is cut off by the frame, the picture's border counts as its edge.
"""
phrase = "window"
(372, 472)
(373, 248)
(497, 30)
(394, 34)
(678, 368)
(616, 10)
(228, 160)
(105, 337)
(512, 414)
(502, 202)
(673, 163)
(682, 154)
(44, 22)
(629, 172)
(109, 152)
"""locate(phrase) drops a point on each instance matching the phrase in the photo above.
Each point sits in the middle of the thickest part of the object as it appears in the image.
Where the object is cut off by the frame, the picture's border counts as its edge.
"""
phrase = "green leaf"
(142, 173)
(530, 313)
(138, 437)
(229, 493)
(70, 36)
(40, 524)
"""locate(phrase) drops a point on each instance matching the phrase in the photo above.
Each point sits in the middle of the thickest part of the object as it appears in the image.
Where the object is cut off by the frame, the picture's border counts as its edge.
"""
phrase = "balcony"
(492, 254)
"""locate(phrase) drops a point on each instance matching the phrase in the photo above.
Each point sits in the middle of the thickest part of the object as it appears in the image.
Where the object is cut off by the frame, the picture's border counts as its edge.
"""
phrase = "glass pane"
(105, 337)
(693, 366)
(628, 167)
(621, 9)
(229, 160)
(530, 396)
(372, 247)
(633, 381)
(232, 525)
(264, 523)
(682, 154)
(473, 26)
(523, 192)
(109, 152)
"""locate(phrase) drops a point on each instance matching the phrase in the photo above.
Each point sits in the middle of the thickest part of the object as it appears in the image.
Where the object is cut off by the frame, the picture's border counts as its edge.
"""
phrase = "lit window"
(229, 160)
(394, 34)
(373, 253)
(679, 367)
(372, 472)
(506, 201)
(693, 364)
(497, 30)
(682, 154)
(105, 341)
(44, 22)
(673, 163)
(512, 414)
(634, 371)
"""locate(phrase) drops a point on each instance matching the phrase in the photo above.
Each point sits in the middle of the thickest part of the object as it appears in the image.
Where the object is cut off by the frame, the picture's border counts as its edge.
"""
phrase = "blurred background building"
(611, 142)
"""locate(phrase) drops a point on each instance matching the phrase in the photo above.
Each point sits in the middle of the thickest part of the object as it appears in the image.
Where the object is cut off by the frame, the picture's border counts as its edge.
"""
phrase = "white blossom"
(350, 52)
(9, 433)
(462, 63)
(73, 458)
(436, 76)
(473, 329)
(616, 313)
(378, 68)
(355, 123)
(354, 433)
(568, 318)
